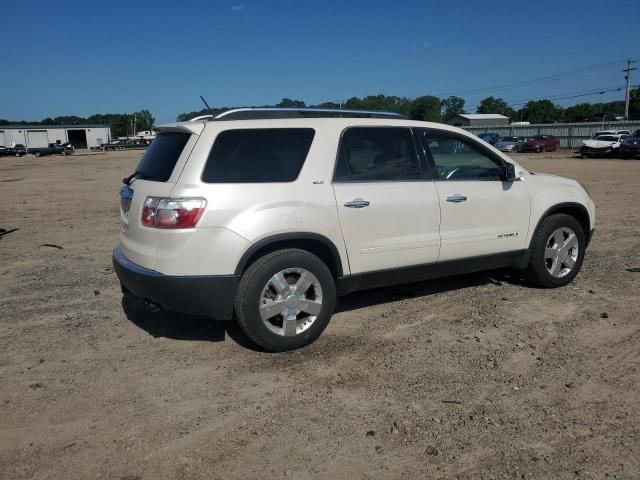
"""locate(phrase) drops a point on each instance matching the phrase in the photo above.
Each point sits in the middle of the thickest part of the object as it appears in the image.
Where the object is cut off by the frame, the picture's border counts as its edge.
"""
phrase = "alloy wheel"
(291, 301)
(561, 252)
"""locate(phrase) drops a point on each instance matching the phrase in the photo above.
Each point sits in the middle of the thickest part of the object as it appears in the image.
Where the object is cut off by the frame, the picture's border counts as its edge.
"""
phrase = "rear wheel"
(557, 251)
(285, 299)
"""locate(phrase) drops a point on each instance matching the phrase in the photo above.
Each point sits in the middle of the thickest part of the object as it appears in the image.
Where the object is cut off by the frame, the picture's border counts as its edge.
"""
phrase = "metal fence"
(570, 134)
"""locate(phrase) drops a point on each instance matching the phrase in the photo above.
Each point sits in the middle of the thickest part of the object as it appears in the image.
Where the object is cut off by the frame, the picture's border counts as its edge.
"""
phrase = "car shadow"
(367, 298)
(178, 326)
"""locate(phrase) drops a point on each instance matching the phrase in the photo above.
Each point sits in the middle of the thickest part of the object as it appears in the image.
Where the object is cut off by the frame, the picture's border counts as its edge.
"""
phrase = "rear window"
(258, 155)
(160, 158)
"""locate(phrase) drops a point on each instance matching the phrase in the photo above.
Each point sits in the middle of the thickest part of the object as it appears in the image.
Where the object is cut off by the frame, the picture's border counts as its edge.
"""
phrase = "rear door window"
(375, 154)
(258, 155)
(160, 159)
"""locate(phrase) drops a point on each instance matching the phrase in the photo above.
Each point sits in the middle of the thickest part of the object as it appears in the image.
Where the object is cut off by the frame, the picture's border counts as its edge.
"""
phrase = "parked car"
(17, 150)
(542, 143)
(510, 144)
(490, 138)
(630, 146)
(52, 149)
(611, 132)
(603, 145)
(248, 216)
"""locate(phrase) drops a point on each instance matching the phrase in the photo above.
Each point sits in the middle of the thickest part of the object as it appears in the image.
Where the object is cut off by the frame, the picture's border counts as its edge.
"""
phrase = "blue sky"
(70, 57)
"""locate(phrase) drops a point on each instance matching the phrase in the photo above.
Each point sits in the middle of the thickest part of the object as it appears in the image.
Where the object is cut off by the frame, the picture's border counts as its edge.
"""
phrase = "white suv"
(268, 215)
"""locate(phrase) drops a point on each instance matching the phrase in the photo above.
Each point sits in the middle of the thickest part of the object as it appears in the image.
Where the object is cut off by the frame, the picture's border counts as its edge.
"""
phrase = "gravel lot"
(472, 377)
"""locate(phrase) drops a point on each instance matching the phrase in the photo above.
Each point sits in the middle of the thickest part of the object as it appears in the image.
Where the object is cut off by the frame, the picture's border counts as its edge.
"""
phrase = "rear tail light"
(172, 213)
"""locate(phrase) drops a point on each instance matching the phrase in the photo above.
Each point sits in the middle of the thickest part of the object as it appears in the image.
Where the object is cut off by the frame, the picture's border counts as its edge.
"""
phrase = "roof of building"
(45, 127)
(482, 116)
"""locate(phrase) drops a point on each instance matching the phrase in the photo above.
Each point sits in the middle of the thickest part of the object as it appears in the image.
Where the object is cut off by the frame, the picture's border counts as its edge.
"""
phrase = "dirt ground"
(468, 378)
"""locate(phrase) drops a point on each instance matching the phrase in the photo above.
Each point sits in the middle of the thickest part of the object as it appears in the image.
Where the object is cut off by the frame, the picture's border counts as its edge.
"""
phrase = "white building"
(80, 136)
(478, 120)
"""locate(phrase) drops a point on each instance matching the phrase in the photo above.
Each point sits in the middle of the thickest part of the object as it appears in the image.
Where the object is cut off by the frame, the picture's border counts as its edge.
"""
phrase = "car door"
(388, 210)
(480, 213)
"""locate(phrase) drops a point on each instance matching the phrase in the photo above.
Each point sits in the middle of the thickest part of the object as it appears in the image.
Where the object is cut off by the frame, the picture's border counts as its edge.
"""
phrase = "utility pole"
(628, 71)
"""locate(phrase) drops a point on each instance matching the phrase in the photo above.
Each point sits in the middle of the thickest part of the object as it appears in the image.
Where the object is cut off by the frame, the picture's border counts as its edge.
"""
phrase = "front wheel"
(557, 251)
(285, 300)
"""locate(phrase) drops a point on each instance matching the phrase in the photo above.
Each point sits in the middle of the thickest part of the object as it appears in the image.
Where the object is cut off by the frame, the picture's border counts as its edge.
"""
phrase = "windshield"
(160, 158)
(539, 137)
(607, 138)
(509, 139)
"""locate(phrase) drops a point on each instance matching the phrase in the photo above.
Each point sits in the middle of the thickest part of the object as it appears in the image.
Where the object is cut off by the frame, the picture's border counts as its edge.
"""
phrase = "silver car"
(510, 144)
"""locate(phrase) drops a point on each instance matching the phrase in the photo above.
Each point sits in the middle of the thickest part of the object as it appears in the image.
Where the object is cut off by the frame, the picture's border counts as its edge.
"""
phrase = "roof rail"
(270, 113)
(201, 117)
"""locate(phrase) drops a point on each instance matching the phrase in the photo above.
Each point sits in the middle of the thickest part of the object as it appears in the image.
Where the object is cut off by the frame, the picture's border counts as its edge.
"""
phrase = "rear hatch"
(155, 176)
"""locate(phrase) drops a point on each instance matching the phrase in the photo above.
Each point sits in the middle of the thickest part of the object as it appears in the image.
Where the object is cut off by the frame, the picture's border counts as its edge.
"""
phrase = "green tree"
(144, 120)
(542, 111)
(329, 105)
(288, 103)
(426, 108)
(451, 107)
(581, 112)
(496, 105)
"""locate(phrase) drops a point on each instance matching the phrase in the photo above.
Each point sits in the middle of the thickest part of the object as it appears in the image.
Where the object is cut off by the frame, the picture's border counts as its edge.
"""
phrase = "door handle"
(357, 203)
(457, 198)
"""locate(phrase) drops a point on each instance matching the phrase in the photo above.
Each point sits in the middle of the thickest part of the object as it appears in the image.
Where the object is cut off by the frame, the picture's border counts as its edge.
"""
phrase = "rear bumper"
(212, 296)
(590, 236)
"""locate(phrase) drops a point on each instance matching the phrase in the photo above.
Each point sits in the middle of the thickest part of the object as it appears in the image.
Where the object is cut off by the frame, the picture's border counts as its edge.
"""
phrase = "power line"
(564, 96)
(523, 83)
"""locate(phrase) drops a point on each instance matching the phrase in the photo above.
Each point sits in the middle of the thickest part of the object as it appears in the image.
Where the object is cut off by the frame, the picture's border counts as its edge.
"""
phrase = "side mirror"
(512, 172)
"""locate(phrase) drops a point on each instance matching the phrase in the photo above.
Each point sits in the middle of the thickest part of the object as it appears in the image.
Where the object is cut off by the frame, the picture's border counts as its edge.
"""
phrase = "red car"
(542, 143)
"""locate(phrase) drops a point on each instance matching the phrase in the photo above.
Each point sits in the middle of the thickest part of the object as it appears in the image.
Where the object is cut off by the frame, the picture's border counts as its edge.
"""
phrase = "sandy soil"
(474, 377)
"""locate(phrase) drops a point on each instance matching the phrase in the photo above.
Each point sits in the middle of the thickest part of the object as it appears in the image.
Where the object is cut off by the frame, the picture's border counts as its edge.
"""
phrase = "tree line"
(122, 124)
(427, 108)
(434, 109)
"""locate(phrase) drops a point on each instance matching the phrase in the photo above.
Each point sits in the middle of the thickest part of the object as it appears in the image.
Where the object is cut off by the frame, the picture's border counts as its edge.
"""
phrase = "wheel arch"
(314, 243)
(576, 210)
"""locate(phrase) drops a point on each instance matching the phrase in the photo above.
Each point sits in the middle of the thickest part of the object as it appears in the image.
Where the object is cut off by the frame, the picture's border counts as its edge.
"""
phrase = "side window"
(456, 158)
(377, 154)
(258, 155)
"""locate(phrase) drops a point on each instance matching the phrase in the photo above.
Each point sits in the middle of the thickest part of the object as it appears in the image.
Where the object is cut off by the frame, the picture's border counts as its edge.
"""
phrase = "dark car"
(630, 146)
(490, 138)
(17, 150)
(542, 143)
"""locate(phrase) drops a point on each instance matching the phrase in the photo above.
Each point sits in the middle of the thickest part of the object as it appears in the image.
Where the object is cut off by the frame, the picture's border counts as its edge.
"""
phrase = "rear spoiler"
(183, 127)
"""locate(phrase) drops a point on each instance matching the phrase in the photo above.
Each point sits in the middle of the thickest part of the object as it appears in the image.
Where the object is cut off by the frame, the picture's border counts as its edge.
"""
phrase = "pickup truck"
(52, 149)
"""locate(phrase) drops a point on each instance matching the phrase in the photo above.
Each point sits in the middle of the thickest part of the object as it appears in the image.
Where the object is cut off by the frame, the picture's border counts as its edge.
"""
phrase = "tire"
(540, 149)
(543, 271)
(269, 282)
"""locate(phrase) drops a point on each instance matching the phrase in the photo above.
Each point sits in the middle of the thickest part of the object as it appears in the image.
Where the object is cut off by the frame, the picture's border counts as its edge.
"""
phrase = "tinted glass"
(160, 158)
(458, 159)
(377, 154)
(258, 155)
